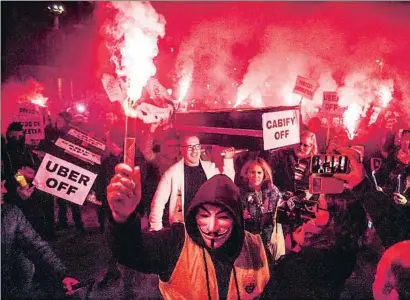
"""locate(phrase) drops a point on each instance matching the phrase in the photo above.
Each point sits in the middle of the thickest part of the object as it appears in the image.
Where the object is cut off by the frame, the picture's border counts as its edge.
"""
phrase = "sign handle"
(300, 113)
(328, 132)
(129, 142)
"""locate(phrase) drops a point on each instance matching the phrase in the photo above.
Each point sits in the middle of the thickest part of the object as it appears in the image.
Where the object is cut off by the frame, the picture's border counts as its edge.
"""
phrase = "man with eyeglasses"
(182, 180)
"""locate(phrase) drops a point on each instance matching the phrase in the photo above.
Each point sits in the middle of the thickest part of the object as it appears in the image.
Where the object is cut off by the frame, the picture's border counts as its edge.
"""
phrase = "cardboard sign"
(305, 87)
(330, 103)
(280, 129)
(33, 123)
(63, 179)
(114, 88)
(78, 151)
(87, 139)
(157, 90)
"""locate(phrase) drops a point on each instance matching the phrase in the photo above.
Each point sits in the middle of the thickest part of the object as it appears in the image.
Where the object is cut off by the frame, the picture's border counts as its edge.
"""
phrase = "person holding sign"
(20, 166)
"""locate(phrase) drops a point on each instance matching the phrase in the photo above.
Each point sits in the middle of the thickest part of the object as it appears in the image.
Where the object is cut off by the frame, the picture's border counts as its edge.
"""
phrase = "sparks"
(350, 118)
(39, 100)
(185, 82)
(132, 41)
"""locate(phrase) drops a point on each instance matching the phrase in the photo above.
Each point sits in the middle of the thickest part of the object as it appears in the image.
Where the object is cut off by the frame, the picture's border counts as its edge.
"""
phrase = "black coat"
(19, 238)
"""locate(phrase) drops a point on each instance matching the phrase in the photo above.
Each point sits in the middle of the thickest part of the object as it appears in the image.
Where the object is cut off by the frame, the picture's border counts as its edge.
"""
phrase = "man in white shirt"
(182, 180)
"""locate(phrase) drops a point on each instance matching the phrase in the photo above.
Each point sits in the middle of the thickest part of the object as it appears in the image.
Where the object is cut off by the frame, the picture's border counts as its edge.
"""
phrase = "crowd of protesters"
(222, 225)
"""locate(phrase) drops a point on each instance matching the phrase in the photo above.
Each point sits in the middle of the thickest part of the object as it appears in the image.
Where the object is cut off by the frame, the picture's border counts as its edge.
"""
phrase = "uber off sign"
(280, 129)
(330, 103)
(63, 179)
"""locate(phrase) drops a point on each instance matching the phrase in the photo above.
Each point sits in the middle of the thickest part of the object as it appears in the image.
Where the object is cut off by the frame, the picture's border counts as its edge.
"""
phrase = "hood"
(218, 190)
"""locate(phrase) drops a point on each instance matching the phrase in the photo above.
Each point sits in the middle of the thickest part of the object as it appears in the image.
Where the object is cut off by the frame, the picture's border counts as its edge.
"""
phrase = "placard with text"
(280, 129)
(64, 179)
(305, 87)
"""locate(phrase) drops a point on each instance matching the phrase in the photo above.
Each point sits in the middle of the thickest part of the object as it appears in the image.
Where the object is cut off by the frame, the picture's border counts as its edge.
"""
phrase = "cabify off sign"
(280, 129)
(63, 179)
(305, 87)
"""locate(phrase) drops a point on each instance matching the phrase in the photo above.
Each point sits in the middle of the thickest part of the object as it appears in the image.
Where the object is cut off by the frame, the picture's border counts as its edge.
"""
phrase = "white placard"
(85, 138)
(305, 87)
(113, 88)
(280, 129)
(63, 179)
(330, 103)
(32, 121)
(78, 151)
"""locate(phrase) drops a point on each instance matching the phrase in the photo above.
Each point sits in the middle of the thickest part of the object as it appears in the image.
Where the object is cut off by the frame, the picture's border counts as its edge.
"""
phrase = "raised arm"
(228, 165)
(154, 252)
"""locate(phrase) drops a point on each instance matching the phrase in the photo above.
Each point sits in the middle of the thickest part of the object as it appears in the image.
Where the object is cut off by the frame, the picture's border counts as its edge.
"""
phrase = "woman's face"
(305, 147)
(255, 175)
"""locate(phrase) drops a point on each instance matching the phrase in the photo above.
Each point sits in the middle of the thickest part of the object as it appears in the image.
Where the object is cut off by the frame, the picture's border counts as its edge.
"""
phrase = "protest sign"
(86, 139)
(280, 129)
(33, 123)
(78, 151)
(330, 103)
(305, 87)
(64, 179)
(114, 88)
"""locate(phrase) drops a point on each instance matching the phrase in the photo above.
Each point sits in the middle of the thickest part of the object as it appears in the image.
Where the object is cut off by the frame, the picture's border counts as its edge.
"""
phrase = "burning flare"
(350, 118)
(131, 38)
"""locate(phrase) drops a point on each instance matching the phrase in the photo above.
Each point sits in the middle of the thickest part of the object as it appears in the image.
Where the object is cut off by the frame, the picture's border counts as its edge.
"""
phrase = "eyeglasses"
(192, 147)
(305, 145)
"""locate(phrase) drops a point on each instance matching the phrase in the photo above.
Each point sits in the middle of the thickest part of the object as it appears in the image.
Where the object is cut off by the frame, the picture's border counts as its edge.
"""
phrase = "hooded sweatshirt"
(163, 252)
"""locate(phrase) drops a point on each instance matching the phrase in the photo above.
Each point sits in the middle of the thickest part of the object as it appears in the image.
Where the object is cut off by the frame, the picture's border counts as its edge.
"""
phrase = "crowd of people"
(222, 224)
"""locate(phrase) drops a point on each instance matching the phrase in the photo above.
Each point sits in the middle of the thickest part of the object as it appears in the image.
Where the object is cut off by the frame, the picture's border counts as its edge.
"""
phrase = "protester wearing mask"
(19, 159)
(210, 257)
(20, 241)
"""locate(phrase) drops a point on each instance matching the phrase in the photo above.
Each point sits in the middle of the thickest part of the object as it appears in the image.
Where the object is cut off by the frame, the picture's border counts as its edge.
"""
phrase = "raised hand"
(399, 199)
(124, 192)
(357, 172)
(68, 283)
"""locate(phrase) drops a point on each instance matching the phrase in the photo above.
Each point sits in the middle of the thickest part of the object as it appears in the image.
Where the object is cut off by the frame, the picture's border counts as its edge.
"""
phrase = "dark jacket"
(284, 177)
(392, 222)
(326, 259)
(19, 238)
(158, 252)
(14, 159)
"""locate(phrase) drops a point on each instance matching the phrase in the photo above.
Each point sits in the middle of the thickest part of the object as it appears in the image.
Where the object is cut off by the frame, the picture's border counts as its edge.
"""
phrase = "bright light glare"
(169, 91)
(80, 108)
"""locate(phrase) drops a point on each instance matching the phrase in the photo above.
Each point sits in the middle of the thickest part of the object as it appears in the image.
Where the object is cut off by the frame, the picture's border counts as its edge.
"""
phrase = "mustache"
(213, 234)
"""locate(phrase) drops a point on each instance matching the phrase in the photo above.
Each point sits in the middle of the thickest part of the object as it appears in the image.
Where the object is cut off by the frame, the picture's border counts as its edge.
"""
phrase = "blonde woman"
(293, 169)
(259, 198)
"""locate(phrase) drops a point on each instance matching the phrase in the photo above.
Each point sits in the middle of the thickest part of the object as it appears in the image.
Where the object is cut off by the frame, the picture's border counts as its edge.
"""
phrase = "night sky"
(25, 26)
(230, 43)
